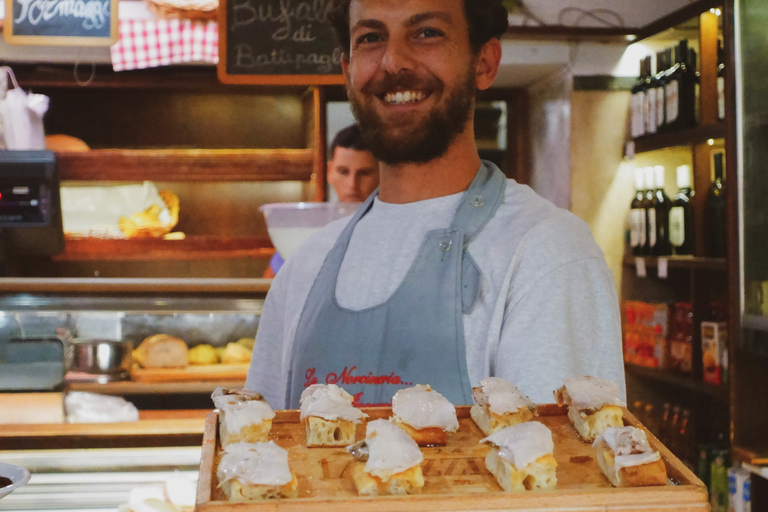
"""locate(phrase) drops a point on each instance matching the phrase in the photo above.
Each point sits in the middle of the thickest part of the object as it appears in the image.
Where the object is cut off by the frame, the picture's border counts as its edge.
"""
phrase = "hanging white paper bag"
(22, 116)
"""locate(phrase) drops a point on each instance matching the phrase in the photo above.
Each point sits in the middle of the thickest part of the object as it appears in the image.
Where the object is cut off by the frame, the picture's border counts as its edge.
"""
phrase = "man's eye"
(430, 32)
(368, 38)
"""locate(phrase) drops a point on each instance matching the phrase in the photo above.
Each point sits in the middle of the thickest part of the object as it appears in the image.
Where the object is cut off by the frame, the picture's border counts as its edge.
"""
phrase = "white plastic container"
(289, 224)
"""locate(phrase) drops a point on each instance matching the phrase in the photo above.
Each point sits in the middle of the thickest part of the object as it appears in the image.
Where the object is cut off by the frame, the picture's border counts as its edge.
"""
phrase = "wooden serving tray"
(190, 373)
(455, 475)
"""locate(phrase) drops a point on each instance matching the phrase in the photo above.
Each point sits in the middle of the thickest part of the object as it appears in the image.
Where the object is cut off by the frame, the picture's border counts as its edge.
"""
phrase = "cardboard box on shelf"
(714, 338)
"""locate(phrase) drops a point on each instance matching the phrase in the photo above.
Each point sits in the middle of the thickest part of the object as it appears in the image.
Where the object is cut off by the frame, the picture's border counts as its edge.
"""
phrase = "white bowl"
(289, 224)
(18, 475)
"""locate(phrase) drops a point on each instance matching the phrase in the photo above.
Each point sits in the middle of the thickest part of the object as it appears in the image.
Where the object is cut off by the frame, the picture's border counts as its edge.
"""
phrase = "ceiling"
(594, 13)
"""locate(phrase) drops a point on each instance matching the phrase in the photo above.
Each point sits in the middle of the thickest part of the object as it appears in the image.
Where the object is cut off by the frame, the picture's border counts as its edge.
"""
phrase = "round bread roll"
(162, 351)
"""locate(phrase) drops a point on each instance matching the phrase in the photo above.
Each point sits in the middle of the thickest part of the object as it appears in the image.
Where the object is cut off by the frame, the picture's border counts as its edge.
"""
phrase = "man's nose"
(397, 57)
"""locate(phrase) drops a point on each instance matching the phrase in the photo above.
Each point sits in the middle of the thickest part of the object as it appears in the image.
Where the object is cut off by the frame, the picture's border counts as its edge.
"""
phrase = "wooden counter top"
(154, 428)
(127, 387)
(133, 285)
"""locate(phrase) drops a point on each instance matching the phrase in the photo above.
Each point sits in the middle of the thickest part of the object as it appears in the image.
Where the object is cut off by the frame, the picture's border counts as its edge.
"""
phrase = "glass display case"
(753, 178)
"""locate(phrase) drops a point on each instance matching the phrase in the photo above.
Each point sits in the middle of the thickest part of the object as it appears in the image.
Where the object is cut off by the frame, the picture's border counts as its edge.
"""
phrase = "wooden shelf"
(127, 387)
(716, 391)
(186, 165)
(687, 262)
(153, 249)
(697, 135)
(751, 455)
(93, 285)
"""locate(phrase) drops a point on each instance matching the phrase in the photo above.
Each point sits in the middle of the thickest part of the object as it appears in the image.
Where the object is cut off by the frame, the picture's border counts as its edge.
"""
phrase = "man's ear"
(345, 64)
(488, 61)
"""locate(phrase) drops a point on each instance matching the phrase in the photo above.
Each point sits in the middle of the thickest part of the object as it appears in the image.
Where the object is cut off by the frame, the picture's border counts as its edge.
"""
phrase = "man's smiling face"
(410, 76)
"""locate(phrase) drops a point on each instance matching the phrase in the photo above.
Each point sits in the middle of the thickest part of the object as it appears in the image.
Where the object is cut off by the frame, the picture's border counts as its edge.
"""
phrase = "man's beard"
(417, 142)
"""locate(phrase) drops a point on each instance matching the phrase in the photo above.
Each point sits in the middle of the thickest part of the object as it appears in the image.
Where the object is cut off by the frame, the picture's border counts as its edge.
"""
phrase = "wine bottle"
(648, 87)
(693, 65)
(650, 213)
(638, 103)
(638, 231)
(651, 98)
(660, 206)
(679, 91)
(661, 82)
(720, 82)
(715, 213)
(681, 214)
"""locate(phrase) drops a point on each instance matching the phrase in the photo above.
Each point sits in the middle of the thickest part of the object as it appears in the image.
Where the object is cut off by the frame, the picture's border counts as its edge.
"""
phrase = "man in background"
(353, 172)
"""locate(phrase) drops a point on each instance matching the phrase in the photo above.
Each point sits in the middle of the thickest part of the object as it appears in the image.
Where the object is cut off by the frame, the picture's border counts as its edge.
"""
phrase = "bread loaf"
(162, 351)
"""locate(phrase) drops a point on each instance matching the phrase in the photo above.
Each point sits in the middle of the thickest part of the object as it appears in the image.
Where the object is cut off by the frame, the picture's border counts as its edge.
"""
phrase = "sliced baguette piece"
(652, 473)
(409, 481)
(322, 432)
(539, 474)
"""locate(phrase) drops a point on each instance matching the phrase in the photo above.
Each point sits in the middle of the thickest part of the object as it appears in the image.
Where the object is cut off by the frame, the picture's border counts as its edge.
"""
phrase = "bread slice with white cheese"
(593, 405)
(627, 459)
(328, 415)
(424, 414)
(521, 457)
(499, 404)
(388, 461)
(256, 471)
(244, 416)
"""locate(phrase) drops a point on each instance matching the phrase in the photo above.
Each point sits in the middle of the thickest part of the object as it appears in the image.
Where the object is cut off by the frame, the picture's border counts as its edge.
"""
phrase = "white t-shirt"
(547, 307)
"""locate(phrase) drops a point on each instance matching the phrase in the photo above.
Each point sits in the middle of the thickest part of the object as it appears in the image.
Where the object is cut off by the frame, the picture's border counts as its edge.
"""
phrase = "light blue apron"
(414, 337)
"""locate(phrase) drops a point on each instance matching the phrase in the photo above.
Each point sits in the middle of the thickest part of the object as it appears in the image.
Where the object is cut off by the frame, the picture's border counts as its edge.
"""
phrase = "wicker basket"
(133, 229)
(187, 9)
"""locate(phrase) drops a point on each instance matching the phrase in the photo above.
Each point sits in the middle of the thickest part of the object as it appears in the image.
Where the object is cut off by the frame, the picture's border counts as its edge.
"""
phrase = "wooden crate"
(455, 475)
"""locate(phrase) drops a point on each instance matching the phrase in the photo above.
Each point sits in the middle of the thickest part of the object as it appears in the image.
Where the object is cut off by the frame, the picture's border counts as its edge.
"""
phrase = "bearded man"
(450, 273)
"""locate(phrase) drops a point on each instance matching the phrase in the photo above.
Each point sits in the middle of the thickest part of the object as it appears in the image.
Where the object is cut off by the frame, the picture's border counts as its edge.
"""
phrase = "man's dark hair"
(486, 19)
(350, 138)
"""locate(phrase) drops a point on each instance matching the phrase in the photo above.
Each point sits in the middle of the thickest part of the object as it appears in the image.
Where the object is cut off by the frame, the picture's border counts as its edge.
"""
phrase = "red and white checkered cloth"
(160, 42)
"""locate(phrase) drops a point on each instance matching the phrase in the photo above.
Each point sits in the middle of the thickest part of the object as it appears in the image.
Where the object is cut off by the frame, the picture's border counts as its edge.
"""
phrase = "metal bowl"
(107, 358)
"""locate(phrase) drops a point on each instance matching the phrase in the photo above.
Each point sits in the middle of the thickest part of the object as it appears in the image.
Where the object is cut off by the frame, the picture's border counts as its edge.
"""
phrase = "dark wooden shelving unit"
(152, 249)
(689, 137)
(187, 164)
(698, 280)
(682, 262)
(687, 382)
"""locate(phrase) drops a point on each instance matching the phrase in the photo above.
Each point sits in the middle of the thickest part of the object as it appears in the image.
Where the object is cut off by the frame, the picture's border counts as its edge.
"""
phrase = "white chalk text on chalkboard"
(94, 13)
(282, 37)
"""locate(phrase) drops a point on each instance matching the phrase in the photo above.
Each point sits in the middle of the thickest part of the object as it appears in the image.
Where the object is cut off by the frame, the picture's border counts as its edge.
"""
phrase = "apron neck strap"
(480, 201)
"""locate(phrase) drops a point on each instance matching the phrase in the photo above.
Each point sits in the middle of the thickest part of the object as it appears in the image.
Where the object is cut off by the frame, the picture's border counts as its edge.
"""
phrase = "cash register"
(30, 206)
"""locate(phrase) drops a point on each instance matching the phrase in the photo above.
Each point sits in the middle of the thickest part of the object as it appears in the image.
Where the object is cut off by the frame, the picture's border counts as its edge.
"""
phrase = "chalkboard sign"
(61, 22)
(280, 42)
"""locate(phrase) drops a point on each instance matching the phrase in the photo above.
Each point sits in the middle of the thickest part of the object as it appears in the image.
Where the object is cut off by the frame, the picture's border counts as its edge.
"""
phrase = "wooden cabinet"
(223, 150)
